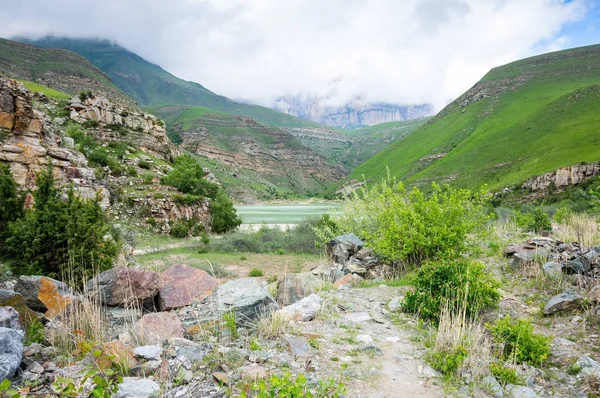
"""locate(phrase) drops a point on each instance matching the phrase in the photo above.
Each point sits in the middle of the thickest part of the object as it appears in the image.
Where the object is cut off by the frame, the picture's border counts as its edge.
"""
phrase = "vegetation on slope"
(149, 84)
(522, 119)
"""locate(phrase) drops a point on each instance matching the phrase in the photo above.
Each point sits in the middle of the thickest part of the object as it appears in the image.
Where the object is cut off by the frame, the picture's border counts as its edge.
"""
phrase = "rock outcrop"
(145, 130)
(562, 178)
(29, 141)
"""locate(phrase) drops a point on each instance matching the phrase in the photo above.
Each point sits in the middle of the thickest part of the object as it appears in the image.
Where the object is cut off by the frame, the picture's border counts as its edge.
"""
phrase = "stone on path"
(358, 317)
(299, 347)
(364, 338)
(148, 352)
(563, 302)
(303, 310)
(588, 366)
(181, 284)
(133, 387)
(293, 287)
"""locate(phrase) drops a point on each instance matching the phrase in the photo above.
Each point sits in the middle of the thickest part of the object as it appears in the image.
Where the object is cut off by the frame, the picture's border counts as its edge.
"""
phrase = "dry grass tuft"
(272, 326)
(579, 227)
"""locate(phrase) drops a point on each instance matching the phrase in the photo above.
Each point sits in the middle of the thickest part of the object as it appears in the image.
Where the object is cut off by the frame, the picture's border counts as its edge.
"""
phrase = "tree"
(188, 177)
(224, 216)
(11, 201)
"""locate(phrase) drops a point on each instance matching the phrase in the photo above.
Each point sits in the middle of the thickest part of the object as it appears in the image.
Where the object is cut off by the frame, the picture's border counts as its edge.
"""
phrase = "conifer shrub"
(452, 282)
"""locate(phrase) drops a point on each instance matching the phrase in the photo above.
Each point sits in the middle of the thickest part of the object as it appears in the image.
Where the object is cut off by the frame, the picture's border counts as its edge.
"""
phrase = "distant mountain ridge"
(151, 85)
(353, 114)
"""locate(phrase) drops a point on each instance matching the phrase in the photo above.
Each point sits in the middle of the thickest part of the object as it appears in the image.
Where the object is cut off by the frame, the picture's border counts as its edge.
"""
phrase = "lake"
(282, 214)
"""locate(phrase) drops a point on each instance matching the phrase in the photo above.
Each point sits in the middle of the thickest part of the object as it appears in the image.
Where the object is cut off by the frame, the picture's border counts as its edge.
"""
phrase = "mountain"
(353, 114)
(353, 147)
(151, 85)
(252, 161)
(520, 120)
(59, 69)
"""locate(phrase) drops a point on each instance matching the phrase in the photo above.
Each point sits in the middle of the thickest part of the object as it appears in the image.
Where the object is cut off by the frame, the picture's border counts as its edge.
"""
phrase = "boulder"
(588, 366)
(148, 352)
(154, 328)
(343, 247)
(293, 287)
(182, 284)
(303, 310)
(122, 286)
(299, 347)
(9, 318)
(133, 387)
(521, 392)
(577, 266)
(9, 298)
(563, 302)
(44, 294)
(552, 269)
(11, 351)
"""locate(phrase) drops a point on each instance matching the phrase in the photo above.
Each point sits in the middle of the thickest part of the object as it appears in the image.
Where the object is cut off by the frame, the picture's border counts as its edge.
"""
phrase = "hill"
(522, 119)
(59, 69)
(151, 85)
(252, 161)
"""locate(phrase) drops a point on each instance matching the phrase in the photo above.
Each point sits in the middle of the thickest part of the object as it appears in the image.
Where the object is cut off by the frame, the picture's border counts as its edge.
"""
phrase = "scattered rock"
(303, 310)
(11, 351)
(182, 284)
(358, 317)
(154, 328)
(393, 339)
(342, 247)
(552, 269)
(123, 286)
(428, 371)
(9, 318)
(253, 372)
(493, 386)
(133, 387)
(364, 338)
(521, 392)
(149, 352)
(221, 378)
(563, 302)
(9, 298)
(344, 281)
(594, 294)
(588, 366)
(576, 266)
(299, 347)
(293, 287)
(44, 294)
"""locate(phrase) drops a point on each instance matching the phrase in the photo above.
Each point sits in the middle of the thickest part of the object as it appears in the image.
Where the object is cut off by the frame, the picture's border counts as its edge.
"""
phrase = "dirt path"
(374, 356)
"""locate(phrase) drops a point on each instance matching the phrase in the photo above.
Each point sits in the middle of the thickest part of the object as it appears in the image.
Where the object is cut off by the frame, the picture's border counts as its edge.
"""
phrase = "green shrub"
(231, 324)
(223, 214)
(180, 229)
(101, 157)
(408, 226)
(536, 221)
(82, 96)
(188, 177)
(119, 128)
(91, 123)
(144, 165)
(448, 361)
(147, 178)
(563, 215)
(451, 281)
(34, 332)
(57, 233)
(284, 386)
(255, 272)
(132, 171)
(505, 375)
(521, 344)
(185, 199)
(11, 201)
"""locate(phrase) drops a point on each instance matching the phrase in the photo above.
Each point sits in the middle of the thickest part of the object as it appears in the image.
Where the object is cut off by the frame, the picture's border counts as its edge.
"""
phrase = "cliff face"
(29, 140)
(562, 178)
(352, 114)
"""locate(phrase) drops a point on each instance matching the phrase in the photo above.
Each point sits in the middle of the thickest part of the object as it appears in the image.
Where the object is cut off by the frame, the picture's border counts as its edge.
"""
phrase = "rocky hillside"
(149, 84)
(351, 115)
(521, 120)
(100, 148)
(252, 161)
(59, 69)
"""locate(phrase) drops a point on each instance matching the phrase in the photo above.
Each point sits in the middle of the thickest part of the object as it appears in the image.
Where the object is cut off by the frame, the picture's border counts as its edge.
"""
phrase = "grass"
(47, 91)
(541, 115)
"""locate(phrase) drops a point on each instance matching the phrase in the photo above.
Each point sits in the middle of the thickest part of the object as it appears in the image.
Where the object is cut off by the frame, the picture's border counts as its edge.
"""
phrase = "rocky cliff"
(562, 178)
(29, 139)
(353, 114)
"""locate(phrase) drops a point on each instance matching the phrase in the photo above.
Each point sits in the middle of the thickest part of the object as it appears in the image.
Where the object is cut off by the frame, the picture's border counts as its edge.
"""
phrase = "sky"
(393, 51)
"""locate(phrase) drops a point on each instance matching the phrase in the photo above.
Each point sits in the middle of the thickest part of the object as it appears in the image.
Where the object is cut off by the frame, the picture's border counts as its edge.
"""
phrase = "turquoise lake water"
(282, 214)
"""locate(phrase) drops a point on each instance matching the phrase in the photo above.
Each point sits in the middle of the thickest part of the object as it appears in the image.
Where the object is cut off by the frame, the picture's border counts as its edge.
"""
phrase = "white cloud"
(403, 52)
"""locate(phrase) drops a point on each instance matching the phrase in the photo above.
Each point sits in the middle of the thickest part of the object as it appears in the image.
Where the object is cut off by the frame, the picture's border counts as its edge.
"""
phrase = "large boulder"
(293, 287)
(343, 247)
(44, 294)
(182, 284)
(303, 310)
(563, 302)
(11, 343)
(122, 286)
(154, 328)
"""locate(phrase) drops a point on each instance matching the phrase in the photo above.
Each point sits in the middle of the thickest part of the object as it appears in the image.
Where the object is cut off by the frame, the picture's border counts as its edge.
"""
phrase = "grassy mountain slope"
(58, 69)
(251, 160)
(352, 148)
(150, 85)
(522, 119)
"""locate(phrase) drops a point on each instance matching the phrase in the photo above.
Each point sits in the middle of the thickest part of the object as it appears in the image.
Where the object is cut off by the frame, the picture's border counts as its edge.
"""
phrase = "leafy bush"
(255, 272)
(119, 128)
(521, 344)
(563, 215)
(448, 361)
(505, 375)
(451, 281)
(100, 156)
(536, 221)
(408, 226)
(144, 165)
(188, 177)
(180, 229)
(91, 123)
(285, 387)
(185, 199)
(223, 214)
(147, 178)
(57, 233)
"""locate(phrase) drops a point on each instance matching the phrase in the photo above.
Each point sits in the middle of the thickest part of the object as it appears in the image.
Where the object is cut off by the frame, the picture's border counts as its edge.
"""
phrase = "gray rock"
(592, 256)
(343, 247)
(11, 351)
(29, 288)
(148, 352)
(358, 317)
(563, 302)
(560, 348)
(588, 366)
(395, 304)
(133, 387)
(293, 287)
(493, 386)
(576, 266)
(299, 347)
(552, 269)
(123, 286)
(364, 338)
(59, 121)
(193, 354)
(247, 297)
(303, 310)
(521, 392)
(428, 371)
(9, 318)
